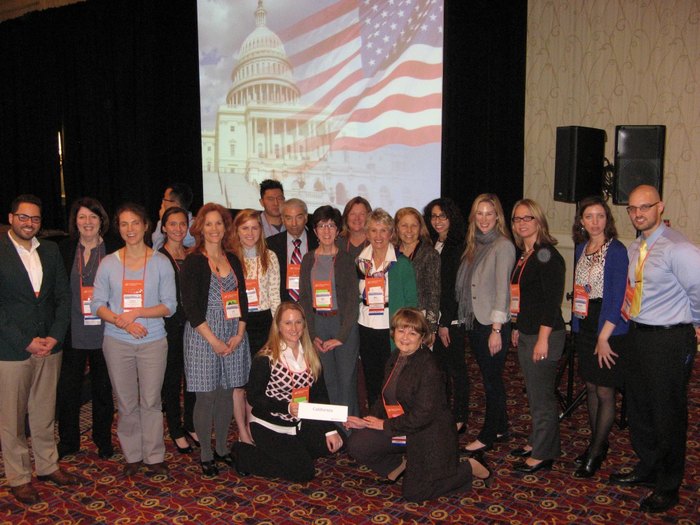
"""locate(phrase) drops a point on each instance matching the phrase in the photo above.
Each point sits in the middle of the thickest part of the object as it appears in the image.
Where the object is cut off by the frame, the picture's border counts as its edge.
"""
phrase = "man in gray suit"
(34, 317)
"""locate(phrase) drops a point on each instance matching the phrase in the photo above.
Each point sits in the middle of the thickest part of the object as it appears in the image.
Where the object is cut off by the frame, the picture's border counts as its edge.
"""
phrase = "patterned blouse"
(269, 281)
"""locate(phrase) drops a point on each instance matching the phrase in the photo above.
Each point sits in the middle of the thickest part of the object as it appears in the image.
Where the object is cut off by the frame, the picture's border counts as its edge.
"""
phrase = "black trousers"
(68, 398)
(657, 368)
(375, 348)
(496, 415)
(276, 455)
(452, 360)
(174, 383)
(258, 329)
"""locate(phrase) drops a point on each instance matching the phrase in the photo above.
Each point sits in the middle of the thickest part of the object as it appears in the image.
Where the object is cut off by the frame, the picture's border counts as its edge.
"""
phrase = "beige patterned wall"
(602, 63)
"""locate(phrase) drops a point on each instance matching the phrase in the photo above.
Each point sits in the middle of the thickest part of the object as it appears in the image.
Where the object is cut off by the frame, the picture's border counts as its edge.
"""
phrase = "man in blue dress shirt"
(663, 303)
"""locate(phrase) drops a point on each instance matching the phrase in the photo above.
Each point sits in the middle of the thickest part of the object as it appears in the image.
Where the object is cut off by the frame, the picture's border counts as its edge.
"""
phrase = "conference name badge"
(393, 411)
(300, 395)
(86, 298)
(252, 290)
(322, 295)
(580, 301)
(293, 273)
(515, 299)
(132, 294)
(232, 306)
(374, 288)
(627, 302)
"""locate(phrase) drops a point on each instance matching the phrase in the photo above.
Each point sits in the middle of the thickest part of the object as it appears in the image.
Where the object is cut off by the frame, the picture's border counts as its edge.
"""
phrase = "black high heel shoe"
(479, 458)
(195, 442)
(226, 458)
(182, 450)
(209, 468)
(589, 467)
(462, 429)
(581, 459)
(545, 464)
(521, 452)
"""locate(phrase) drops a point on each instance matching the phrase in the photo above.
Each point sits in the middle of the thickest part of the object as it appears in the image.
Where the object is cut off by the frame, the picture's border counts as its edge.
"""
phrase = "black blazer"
(278, 244)
(195, 276)
(432, 446)
(23, 316)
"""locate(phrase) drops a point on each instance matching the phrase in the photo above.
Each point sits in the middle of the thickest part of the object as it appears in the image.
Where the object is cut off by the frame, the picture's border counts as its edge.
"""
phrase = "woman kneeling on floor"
(284, 373)
(411, 428)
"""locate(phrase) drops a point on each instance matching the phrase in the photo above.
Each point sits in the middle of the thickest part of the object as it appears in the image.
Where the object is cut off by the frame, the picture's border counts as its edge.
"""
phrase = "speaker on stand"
(578, 173)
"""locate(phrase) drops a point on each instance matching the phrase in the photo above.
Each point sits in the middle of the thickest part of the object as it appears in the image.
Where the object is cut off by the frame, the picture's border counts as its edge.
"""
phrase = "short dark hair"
(95, 207)
(270, 184)
(183, 193)
(327, 213)
(580, 235)
(26, 197)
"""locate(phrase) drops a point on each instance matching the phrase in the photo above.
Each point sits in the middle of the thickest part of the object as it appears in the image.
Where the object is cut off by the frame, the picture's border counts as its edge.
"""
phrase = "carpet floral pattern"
(345, 493)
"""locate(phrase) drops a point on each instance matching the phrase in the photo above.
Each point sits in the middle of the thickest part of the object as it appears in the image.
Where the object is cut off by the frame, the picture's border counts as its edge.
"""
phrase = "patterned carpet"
(344, 493)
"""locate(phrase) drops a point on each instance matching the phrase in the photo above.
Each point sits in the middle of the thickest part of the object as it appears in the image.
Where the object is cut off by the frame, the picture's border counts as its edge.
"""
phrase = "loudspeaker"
(639, 159)
(578, 167)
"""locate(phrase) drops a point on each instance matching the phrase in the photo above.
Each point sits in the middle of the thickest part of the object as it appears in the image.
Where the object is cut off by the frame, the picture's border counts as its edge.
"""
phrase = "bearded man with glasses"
(34, 317)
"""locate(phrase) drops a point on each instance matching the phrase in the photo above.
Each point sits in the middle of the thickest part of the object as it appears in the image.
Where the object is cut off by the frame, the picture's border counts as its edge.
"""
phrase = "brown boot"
(26, 494)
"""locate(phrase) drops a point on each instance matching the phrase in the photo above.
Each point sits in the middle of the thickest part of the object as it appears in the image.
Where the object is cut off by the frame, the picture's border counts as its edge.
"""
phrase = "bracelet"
(496, 330)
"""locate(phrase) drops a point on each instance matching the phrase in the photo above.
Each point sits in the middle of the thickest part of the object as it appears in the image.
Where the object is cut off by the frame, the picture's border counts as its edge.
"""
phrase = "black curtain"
(484, 100)
(120, 80)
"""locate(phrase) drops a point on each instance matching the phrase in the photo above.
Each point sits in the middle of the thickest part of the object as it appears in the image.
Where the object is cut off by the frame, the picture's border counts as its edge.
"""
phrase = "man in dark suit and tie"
(290, 246)
(34, 317)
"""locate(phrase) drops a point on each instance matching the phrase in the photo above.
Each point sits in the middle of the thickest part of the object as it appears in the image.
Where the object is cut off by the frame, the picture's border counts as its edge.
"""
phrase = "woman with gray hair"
(387, 283)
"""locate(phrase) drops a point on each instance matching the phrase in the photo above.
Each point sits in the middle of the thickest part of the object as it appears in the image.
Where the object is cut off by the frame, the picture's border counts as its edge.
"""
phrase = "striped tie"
(296, 259)
(638, 278)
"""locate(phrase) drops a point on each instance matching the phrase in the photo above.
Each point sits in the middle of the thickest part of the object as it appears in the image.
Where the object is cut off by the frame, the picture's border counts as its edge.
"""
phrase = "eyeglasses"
(327, 226)
(438, 217)
(643, 208)
(526, 218)
(36, 219)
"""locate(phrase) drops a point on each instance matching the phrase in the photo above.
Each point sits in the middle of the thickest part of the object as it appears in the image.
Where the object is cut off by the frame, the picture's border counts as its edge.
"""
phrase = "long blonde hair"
(261, 246)
(494, 201)
(274, 342)
(543, 235)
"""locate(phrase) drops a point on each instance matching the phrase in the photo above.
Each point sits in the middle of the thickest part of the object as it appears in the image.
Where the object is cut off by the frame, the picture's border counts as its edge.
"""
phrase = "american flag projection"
(333, 98)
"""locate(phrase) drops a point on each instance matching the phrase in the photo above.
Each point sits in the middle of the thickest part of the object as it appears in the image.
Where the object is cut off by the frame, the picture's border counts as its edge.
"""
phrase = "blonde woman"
(537, 290)
(286, 372)
(483, 293)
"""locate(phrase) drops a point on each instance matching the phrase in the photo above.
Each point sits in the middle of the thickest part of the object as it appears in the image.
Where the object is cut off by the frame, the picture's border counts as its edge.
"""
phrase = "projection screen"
(333, 98)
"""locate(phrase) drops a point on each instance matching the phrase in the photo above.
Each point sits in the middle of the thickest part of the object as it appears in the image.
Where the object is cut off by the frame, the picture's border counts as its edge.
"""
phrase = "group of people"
(245, 318)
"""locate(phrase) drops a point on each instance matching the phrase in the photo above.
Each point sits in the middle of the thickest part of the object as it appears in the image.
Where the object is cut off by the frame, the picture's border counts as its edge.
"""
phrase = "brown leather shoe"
(26, 494)
(131, 469)
(158, 469)
(61, 477)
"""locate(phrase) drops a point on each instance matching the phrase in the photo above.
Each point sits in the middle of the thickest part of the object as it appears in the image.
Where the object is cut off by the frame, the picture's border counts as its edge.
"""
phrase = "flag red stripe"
(317, 19)
(325, 46)
(403, 103)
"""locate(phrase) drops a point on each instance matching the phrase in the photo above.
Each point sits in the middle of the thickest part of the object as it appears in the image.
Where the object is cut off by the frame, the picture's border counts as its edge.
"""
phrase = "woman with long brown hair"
(217, 359)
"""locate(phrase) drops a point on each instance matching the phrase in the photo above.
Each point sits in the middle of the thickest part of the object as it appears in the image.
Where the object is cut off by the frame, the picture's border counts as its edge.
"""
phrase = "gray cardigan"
(491, 283)
(346, 286)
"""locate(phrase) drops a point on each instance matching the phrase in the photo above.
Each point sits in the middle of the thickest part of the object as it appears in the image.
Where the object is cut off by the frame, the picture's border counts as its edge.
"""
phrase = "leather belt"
(656, 328)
